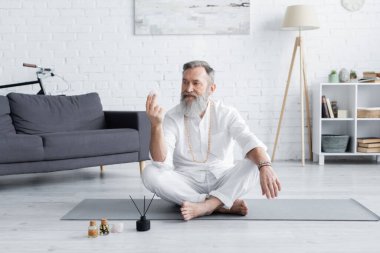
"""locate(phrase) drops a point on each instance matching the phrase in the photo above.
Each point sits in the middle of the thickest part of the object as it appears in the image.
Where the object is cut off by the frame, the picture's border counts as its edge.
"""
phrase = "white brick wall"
(91, 43)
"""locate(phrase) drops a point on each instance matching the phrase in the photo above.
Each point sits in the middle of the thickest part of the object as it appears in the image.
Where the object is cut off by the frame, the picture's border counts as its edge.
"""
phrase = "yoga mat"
(259, 209)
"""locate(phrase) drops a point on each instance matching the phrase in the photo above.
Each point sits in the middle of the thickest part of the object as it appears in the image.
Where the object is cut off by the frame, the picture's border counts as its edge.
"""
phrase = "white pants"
(195, 186)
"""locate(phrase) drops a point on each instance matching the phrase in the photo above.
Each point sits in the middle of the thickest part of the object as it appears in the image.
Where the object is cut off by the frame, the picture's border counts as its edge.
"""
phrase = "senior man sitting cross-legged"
(191, 151)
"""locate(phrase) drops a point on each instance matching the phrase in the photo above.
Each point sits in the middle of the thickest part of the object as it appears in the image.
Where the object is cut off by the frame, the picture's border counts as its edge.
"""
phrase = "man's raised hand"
(154, 111)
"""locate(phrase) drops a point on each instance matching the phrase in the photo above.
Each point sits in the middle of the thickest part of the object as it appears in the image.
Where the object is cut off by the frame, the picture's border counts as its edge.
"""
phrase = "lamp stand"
(298, 44)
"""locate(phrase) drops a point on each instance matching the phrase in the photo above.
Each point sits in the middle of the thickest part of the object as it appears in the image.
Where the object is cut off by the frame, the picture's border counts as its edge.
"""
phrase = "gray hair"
(193, 64)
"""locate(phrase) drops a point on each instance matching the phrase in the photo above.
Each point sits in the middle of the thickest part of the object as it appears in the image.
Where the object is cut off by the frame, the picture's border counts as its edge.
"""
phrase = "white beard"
(196, 107)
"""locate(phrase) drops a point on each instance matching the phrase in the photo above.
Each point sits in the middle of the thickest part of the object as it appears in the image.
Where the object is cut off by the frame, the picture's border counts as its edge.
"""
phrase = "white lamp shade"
(300, 17)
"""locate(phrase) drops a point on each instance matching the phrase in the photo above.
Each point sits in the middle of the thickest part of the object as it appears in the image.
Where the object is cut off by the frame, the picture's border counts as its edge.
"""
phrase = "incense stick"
(135, 205)
(149, 203)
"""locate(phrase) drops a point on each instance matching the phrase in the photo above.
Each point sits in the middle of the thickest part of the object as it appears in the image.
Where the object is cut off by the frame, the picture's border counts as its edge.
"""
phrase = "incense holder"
(142, 224)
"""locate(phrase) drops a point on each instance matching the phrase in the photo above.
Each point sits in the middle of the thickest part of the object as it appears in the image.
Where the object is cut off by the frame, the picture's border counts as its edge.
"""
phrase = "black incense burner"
(143, 224)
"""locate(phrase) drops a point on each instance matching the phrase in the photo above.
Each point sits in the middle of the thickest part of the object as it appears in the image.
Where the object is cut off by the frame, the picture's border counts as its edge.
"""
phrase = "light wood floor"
(32, 205)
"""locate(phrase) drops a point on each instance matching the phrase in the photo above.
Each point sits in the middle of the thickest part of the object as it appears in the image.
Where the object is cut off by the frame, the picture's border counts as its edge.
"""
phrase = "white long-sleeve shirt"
(226, 125)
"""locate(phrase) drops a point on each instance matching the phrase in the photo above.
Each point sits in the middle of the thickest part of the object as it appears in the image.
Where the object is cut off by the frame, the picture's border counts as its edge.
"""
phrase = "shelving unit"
(349, 96)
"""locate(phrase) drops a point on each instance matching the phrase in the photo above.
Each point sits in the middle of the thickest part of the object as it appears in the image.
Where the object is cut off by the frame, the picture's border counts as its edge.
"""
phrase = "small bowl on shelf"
(333, 143)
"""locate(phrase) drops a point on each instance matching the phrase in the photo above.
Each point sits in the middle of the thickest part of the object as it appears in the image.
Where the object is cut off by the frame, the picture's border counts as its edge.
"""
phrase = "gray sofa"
(50, 133)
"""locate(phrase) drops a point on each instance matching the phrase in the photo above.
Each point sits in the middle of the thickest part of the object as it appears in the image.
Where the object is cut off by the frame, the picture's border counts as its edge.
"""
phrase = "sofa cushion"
(65, 145)
(16, 148)
(6, 126)
(38, 114)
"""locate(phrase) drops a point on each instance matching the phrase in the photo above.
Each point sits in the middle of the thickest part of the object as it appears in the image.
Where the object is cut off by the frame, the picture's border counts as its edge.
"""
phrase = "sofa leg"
(142, 166)
(101, 168)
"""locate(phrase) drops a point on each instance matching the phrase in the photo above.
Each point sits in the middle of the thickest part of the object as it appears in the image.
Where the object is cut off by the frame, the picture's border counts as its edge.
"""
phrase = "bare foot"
(239, 207)
(190, 210)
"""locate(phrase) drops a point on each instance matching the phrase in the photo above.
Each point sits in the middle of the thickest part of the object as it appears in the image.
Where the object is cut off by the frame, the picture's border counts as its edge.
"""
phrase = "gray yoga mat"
(259, 209)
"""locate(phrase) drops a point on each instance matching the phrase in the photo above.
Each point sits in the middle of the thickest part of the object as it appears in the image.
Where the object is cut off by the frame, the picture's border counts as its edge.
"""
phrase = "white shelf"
(349, 154)
(350, 84)
(359, 153)
(368, 119)
(339, 154)
(337, 119)
(337, 84)
(368, 84)
(349, 96)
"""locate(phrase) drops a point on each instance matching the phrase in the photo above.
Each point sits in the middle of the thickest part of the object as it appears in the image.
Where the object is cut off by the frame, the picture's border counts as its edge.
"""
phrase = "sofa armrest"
(132, 119)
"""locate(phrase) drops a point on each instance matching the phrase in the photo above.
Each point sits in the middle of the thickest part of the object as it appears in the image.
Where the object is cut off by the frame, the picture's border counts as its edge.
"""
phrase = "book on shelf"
(334, 106)
(369, 80)
(368, 150)
(369, 140)
(369, 145)
(369, 74)
(325, 110)
(368, 112)
(329, 108)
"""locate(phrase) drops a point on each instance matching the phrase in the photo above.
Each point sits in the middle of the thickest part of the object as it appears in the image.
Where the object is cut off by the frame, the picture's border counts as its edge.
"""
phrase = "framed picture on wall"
(160, 17)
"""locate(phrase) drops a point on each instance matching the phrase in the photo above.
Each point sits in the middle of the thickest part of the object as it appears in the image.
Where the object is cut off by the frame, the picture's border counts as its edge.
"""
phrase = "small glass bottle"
(93, 230)
(104, 228)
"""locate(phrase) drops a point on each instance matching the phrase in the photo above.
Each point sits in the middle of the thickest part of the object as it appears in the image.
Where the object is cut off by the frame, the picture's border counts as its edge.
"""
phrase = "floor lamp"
(298, 18)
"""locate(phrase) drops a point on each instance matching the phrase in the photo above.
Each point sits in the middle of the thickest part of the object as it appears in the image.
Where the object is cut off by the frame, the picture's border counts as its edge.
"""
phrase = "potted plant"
(333, 77)
(353, 76)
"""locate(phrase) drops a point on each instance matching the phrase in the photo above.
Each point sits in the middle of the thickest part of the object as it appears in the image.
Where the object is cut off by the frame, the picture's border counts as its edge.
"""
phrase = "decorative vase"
(344, 75)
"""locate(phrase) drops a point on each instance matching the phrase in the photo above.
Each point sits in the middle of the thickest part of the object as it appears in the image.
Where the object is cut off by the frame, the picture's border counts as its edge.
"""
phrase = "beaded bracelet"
(263, 163)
